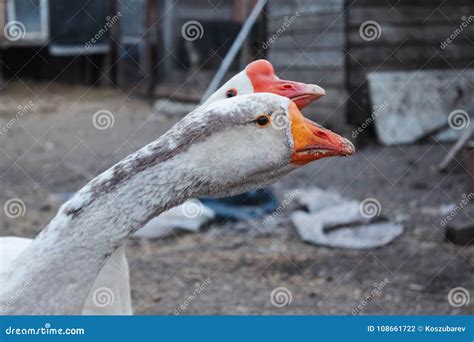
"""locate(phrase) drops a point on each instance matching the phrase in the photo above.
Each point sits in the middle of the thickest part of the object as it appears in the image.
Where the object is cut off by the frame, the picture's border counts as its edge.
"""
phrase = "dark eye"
(262, 120)
(231, 92)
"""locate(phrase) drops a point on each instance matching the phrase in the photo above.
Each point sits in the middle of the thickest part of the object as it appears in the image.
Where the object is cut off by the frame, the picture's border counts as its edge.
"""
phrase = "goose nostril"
(288, 86)
(322, 135)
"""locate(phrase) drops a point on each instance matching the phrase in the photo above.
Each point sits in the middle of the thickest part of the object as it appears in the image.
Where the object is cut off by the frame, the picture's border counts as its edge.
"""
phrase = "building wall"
(412, 32)
(324, 46)
(310, 47)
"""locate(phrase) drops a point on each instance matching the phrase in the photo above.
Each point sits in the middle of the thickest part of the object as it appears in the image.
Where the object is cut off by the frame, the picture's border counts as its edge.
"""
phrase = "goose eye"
(262, 120)
(231, 92)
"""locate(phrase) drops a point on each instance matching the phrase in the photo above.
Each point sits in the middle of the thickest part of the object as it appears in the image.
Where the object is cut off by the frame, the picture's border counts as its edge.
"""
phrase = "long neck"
(62, 263)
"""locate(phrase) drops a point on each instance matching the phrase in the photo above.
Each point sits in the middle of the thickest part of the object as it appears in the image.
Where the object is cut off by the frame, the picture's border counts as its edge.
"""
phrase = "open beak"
(313, 142)
(300, 93)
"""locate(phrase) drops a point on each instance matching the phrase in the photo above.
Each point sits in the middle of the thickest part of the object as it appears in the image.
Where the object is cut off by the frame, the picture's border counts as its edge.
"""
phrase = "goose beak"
(262, 76)
(313, 142)
(301, 94)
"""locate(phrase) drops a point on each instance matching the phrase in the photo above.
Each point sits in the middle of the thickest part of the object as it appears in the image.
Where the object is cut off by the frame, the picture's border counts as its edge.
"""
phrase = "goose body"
(101, 260)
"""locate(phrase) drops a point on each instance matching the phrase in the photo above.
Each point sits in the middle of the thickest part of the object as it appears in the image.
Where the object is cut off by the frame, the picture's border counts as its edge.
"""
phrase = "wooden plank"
(239, 10)
(403, 3)
(324, 78)
(332, 116)
(202, 10)
(333, 97)
(420, 34)
(317, 60)
(409, 15)
(310, 40)
(407, 57)
(289, 7)
(316, 23)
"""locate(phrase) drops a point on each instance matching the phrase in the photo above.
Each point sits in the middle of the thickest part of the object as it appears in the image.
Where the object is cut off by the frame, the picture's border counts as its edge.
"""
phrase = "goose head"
(259, 77)
(250, 141)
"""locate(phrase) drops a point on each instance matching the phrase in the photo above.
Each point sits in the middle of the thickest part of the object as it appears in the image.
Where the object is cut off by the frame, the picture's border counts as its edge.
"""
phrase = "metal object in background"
(234, 49)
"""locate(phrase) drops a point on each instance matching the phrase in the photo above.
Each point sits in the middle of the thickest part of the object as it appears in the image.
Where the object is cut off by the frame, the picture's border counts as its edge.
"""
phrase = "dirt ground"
(53, 149)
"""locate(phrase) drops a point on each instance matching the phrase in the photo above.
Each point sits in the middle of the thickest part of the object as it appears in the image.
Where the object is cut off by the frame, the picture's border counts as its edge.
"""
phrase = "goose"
(221, 149)
(258, 76)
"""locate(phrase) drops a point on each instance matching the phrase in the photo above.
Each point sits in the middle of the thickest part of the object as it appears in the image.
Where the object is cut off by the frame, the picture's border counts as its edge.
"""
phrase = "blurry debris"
(341, 224)
(418, 102)
(460, 233)
(448, 135)
(313, 229)
(180, 217)
(442, 210)
(171, 108)
(246, 206)
(416, 287)
(316, 199)
(454, 152)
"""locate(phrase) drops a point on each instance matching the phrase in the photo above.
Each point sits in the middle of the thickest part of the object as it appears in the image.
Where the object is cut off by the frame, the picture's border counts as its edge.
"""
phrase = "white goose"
(219, 149)
(114, 275)
(259, 77)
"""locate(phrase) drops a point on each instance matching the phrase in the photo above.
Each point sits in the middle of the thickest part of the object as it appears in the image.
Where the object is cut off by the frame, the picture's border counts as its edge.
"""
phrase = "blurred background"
(84, 83)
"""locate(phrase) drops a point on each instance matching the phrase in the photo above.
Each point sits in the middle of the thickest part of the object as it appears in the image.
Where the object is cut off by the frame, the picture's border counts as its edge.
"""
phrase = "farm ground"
(53, 149)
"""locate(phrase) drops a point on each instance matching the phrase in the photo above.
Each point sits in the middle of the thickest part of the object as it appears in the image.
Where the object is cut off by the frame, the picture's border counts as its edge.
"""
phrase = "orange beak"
(313, 142)
(264, 80)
